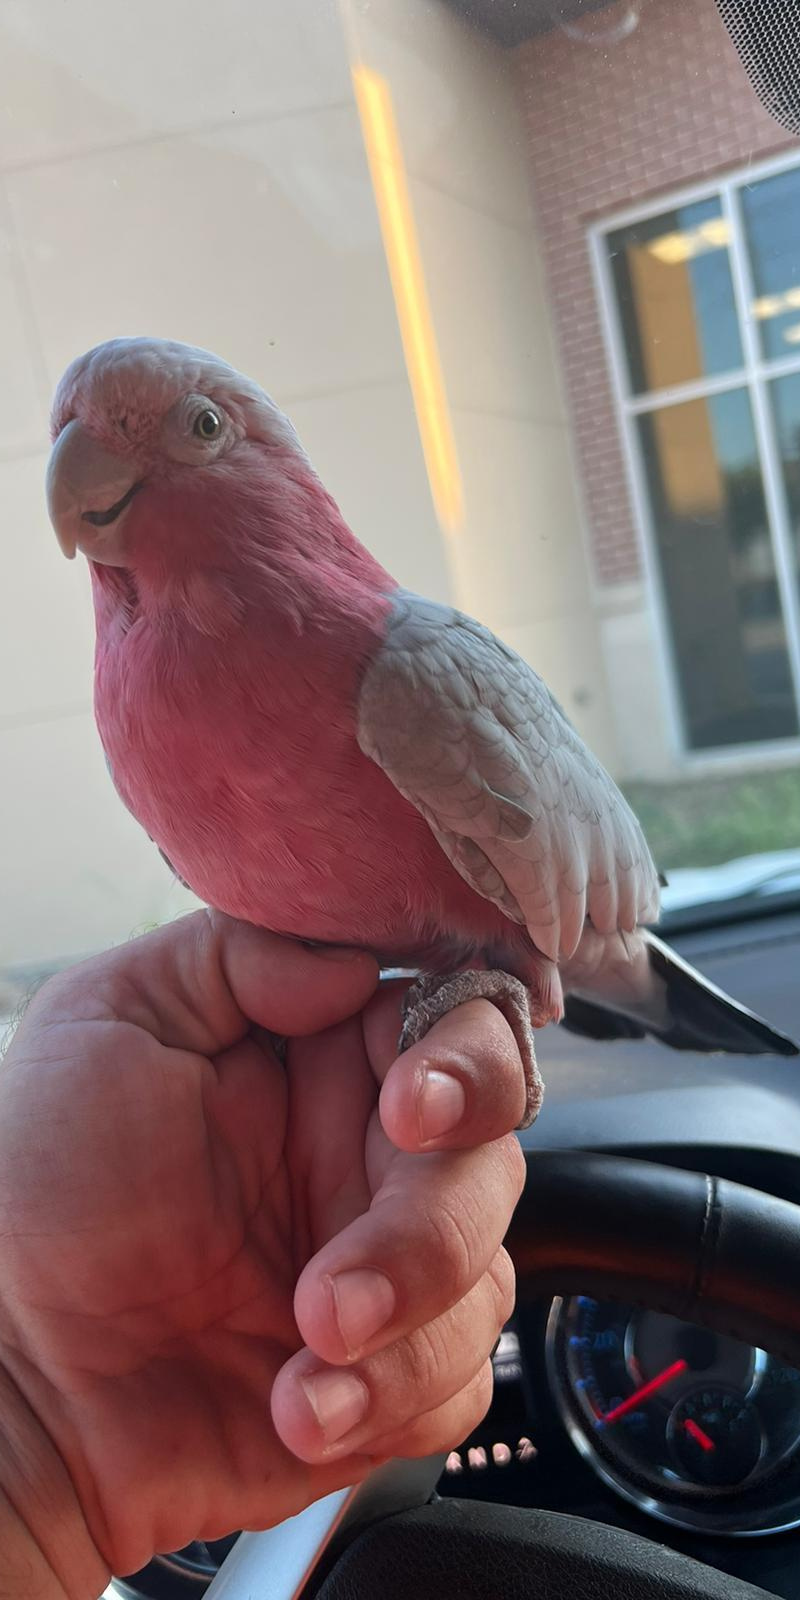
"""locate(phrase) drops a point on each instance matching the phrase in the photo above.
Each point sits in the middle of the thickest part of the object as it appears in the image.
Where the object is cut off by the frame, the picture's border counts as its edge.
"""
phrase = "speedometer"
(694, 1427)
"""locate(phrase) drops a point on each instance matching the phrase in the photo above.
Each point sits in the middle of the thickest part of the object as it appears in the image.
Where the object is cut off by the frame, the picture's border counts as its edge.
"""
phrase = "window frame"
(754, 374)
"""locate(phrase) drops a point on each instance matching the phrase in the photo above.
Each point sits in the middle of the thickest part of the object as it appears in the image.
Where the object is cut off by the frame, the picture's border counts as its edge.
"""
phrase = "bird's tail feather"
(684, 1010)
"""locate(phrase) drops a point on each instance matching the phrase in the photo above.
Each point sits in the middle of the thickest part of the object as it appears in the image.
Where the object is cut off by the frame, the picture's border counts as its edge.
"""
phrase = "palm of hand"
(166, 1287)
(180, 1212)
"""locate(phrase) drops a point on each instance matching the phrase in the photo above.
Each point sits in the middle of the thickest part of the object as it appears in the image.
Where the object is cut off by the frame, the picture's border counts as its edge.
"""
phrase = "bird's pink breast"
(240, 759)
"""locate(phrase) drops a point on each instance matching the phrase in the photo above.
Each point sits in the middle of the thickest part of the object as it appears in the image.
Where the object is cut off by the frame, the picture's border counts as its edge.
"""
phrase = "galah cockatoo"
(320, 752)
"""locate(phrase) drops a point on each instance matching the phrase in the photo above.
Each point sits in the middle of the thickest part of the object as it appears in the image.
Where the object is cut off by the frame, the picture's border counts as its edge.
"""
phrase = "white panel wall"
(198, 172)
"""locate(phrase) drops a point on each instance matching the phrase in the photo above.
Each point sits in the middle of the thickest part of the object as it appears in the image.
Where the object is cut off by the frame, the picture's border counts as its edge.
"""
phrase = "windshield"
(526, 278)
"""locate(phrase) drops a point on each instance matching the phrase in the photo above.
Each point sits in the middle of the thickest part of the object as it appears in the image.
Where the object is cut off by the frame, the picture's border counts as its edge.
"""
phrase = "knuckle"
(62, 998)
(481, 1396)
(426, 1360)
(457, 1245)
(446, 1426)
(56, 993)
(479, 1391)
(513, 1157)
(504, 1283)
(474, 1402)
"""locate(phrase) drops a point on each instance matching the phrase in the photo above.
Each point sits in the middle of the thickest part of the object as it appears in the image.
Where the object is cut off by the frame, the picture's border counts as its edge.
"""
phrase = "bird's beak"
(89, 491)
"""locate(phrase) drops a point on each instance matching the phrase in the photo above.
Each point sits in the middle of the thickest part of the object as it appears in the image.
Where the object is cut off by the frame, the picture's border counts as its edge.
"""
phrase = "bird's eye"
(207, 425)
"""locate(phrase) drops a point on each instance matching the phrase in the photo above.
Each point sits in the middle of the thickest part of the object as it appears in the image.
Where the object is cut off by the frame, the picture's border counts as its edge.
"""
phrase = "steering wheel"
(700, 1248)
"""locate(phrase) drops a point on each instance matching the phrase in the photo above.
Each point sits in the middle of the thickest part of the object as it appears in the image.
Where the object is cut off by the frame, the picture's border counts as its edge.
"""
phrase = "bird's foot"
(430, 998)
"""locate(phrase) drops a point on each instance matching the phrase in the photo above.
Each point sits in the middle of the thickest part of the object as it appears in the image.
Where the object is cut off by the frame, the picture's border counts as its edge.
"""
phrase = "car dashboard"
(627, 1416)
(707, 1461)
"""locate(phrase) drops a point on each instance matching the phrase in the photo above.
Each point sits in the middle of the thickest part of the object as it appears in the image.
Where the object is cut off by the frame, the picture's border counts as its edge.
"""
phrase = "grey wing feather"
(473, 738)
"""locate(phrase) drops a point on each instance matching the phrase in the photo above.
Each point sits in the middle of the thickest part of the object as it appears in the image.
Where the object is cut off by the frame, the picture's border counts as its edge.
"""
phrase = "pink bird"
(322, 753)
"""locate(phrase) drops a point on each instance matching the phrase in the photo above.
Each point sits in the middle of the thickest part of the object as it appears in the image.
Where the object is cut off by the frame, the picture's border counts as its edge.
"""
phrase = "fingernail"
(338, 1400)
(364, 1300)
(441, 1104)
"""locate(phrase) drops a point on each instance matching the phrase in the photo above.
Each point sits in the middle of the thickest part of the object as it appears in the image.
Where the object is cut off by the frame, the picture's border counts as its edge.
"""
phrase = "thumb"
(289, 987)
(199, 983)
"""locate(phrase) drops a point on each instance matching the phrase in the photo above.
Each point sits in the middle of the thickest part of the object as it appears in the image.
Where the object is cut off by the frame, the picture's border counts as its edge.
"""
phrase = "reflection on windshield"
(527, 280)
(717, 561)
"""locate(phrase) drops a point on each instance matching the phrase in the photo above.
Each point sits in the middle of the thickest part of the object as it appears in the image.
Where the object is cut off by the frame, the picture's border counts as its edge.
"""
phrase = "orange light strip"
(387, 169)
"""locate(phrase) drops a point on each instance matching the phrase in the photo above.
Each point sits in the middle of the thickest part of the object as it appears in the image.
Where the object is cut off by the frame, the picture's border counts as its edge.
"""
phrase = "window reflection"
(771, 214)
(718, 568)
(786, 407)
(673, 282)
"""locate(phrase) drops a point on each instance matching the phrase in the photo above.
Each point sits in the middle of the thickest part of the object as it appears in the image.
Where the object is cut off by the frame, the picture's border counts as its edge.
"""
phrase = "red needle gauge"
(698, 1434)
(644, 1393)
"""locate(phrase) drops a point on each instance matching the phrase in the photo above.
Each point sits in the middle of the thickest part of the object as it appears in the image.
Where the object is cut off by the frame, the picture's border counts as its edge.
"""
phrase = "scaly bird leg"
(430, 998)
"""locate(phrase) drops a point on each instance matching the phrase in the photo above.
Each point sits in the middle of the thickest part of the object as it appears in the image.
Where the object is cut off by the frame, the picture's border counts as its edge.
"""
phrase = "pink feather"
(227, 674)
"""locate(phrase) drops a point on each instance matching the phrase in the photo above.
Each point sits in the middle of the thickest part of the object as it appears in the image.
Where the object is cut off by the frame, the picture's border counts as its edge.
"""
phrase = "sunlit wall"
(165, 175)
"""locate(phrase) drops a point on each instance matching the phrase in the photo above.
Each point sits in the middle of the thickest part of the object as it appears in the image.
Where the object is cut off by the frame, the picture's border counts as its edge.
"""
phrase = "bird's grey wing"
(473, 738)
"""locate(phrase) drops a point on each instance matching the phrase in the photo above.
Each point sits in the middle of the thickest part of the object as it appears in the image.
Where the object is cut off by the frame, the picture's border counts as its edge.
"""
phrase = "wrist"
(46, 1550)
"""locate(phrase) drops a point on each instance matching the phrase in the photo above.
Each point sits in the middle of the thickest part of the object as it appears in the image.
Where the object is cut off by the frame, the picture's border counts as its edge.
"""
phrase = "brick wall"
(665, 107)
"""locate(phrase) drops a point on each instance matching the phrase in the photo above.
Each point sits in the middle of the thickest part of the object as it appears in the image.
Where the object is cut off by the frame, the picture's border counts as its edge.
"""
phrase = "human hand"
(229, 1286)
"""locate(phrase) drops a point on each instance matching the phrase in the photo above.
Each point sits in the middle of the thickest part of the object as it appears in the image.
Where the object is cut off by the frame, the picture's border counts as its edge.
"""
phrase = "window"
(703, 326)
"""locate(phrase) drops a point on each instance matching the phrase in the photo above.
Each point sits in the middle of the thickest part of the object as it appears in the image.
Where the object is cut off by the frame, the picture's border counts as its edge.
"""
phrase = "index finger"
(461, 1086)
(430, 1234)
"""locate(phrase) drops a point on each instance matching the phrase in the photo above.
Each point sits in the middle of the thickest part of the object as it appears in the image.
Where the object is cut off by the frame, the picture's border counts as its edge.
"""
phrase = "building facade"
(668, 210)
